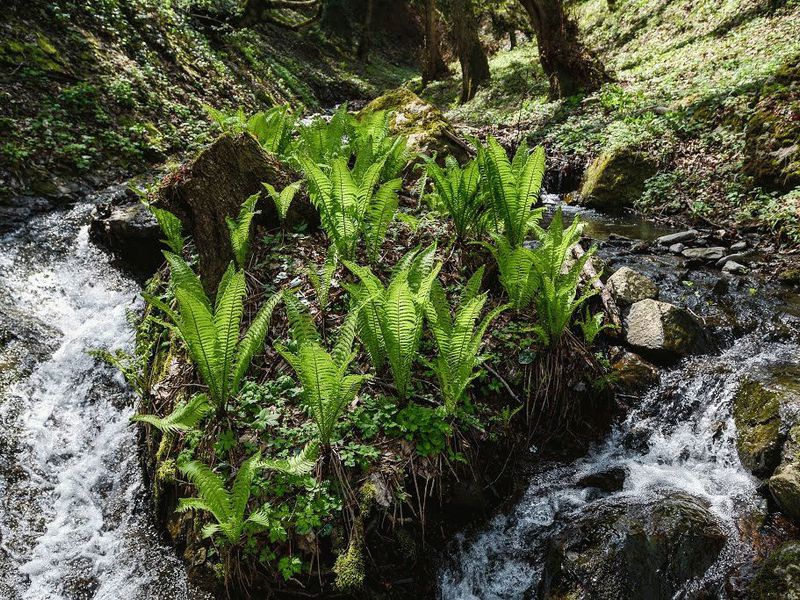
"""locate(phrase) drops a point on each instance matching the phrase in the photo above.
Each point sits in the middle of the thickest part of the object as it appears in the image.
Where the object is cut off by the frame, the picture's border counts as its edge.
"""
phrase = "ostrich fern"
(239, 230)
(183, 417)
(457, 192)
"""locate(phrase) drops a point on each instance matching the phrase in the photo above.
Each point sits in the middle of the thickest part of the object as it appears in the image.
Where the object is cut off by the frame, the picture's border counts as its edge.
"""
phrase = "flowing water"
(74, 520)
(679, 438)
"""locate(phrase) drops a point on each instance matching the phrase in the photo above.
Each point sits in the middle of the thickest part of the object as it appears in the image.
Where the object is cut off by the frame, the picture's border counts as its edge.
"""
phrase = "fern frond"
(171, 227)
(302, 463)
(183, 417)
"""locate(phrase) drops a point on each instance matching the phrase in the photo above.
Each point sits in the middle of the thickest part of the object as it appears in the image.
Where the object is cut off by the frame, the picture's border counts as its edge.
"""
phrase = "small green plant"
(321, 279)
(322, 141)
(591, 325)
(352, 208)
(171, 227)
(512, 188)
(371, 143)
(272, 128)
(283, 199)
(426, 427)
(457, 193)
(457, 338)
(516, 271)
(239, 230)
(185, 415)
(392, 316)
(327, 386)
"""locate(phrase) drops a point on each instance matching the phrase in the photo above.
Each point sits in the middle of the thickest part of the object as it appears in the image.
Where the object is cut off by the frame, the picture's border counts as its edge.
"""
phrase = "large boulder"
(629, 286)
(634, 374)
(759, 439)
(785, 488)
(772, 135)
(779, 575)
(615, 179)
(663, 331)
(428, 130)
(213, 186)
(626, 548)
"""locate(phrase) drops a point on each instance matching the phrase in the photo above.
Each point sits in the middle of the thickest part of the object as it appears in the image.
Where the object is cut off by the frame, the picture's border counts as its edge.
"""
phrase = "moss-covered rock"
(756, 412)
(428, 130)
(616, 178)
(779, 575)
(773, 132)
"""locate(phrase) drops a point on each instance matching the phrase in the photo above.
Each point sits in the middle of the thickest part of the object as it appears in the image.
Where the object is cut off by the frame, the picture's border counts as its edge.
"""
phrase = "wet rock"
(735, 268)
(610, 480)
(677, 248)
(634, 374)
(704, 254)
(785, 489)
(213, 186)
(736, 257)
(663, 331)
(738, 246)
(632, 548)
(131, 233)
(427, 129)
(615, 180)
(675, 238)
(629, 286)
(756, 412)
(779, 575)
(790, 276)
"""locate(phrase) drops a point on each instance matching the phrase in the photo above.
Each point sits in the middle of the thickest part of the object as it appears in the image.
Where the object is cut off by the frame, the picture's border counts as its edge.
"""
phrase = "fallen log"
(590, 274)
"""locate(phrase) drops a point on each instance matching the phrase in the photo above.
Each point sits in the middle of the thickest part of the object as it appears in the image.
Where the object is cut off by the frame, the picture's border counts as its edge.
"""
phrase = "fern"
(183, 417)
(283, 200)
(321, 280)
(458, 339)
(556, 280)
(591, 325)
(273, 129)
(512, 188)
(457, 193)
(391, 317)
(322, 141)
(239, 230)
(327, 386)
(229, 507)
(212, 332)
(516, 271)
(171, 227)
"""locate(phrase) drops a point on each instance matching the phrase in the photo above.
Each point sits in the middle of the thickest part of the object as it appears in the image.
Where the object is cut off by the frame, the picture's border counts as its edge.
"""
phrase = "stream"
(74, 520)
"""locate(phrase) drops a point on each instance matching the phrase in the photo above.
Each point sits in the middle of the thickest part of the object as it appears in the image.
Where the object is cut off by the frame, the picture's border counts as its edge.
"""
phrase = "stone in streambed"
(629, 286)
(664, 331)
(735, 268)
(704, 254)
(632, 548)
(131, 233)
(779, 575)
(675, 238)
(610, 480)
(634, 374)
(756, 412)
(616, 179)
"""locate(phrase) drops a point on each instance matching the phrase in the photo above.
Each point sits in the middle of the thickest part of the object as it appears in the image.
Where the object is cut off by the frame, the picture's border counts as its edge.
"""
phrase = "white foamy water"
(681, 438)
(73, 520)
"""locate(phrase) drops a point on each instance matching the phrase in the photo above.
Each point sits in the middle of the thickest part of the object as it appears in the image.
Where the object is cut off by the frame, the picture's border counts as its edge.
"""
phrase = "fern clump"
(457, 338)
(512, 188)
(391, 318)
(272, 128)
(239, 230)
(327, 387)
(457, 193)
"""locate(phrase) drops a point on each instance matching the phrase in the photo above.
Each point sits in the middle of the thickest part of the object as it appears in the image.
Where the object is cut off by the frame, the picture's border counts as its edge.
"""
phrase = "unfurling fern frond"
(283, 200)
(183, 417)
(239, 230)
(171, 227)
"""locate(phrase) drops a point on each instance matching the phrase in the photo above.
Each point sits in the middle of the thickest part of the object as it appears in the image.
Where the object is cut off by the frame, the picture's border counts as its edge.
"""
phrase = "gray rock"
(737, 257)
(738, 246)
(634, 374)
(632, 548)
(677, 248)
(664, 331)
(131, 233)
(735, 268)
(704, 254)
(674, 238)
(628, 286)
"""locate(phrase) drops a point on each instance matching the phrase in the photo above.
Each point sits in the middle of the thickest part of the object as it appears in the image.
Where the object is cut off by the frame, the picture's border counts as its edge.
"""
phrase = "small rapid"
(74, 520)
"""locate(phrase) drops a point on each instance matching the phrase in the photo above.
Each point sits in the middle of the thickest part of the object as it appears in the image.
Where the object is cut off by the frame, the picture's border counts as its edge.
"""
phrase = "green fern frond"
(183, 417)
(171, 227)
(239, 230)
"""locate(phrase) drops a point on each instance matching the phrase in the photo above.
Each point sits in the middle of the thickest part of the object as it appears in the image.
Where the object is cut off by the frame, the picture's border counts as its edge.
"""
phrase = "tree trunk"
(365, 41)
(433, 67)
(565, 60)
(471, 55)
(512, 38)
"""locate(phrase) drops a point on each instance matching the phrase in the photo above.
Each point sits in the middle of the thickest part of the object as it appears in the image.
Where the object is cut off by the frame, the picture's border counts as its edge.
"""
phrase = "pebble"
(677, 248)
(735, 268)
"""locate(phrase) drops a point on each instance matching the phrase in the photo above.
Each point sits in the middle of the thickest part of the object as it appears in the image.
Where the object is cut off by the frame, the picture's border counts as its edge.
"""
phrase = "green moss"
(756, 411)
(349, 567)
(616, 179)
(779, 576)
(166, 471)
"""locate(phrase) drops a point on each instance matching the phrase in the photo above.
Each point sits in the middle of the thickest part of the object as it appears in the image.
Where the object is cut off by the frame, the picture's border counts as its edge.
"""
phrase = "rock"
(131, 233)
(779, 575)
(738, 246)
(756, 412)
(677, 248)
(632, 548)
(634, 374)
(704, 254)
(674, 238)
(213, 186)
(628, 286)
(735, 268)
(663, 330)
(615, 180)
(772, 135)
(790, 276)
(785, 489)
(427, 129)
(610, 480)
(736, 257)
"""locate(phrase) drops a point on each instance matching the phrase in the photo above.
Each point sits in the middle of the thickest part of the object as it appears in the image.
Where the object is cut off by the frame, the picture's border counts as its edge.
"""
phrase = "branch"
(605, 295)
